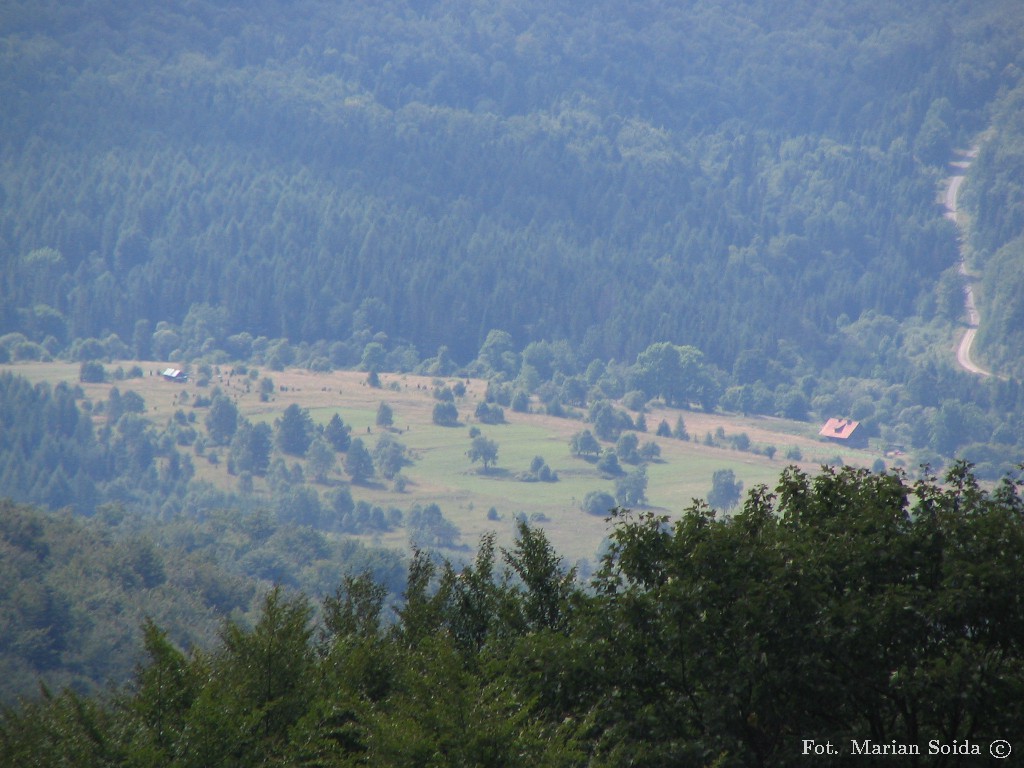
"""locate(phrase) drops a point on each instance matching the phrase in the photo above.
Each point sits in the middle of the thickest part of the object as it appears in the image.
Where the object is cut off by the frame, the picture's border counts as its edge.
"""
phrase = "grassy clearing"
(443, 474)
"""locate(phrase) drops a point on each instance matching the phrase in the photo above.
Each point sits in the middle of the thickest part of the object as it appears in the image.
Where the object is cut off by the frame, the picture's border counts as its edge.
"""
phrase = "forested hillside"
(75, 592)
(591, 214)
(735, 178)
(996, 195)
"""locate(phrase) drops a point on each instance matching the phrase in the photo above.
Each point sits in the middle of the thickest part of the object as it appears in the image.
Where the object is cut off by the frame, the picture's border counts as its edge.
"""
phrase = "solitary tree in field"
(446, 415)
(385, 415)
(483, 450)
(725, 489)
(598, 503)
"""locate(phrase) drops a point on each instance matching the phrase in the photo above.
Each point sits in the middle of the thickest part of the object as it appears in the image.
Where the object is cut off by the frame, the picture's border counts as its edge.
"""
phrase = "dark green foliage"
(699, 641)
(660, 212)
(599, 503)
(446, 415)
(251, 448)
(627, 448)
(740, 441)
(49, 564)
(92, 372)
(359, 462)
(489, 413)
(484, 450)
(499, 391)
(118, 404)
(429, 528)
(607, 420)
(679, 431)
(520, 402)
(650, 451)
(812, 553)
(934, 140)
(261, 685)
(222, 420)
(294, 430)
(142, 565)
(166, 688)
(584, 444)
(631, 488)
(497, 355)
(385, 415)
(389, 456)
(205, 183)
(792, 405)
(50, 453)
(1002, 332)
(677, 374)
(608, 464)
(355, 608)
(338, 434)
(187, 574)
(539, 472)
(298, 504)
(548, 585)
(725, 490)
(780, 219)
(320, 458)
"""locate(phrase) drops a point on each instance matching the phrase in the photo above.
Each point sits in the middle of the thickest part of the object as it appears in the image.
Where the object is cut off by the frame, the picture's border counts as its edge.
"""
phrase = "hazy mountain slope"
(614, 176)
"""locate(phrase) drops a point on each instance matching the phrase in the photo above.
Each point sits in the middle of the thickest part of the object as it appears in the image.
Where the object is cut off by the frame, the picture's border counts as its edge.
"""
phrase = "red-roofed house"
(844, 432)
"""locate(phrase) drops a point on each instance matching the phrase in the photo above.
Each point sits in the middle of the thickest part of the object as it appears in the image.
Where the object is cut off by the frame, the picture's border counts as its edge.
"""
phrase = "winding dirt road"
(963, 352)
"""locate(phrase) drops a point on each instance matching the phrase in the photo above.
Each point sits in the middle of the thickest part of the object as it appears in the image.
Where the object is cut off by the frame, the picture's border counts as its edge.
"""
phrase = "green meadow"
(441, 472)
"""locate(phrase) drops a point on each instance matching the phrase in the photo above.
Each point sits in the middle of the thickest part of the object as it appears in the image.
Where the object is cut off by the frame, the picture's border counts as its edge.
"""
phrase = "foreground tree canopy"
(846, 606)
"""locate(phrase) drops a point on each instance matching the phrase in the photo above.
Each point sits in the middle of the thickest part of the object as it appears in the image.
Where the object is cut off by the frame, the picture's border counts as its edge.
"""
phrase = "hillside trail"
(959, 167)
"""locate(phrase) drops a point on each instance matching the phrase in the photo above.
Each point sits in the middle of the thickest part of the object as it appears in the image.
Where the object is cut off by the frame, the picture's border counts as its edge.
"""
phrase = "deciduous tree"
(359, 462)
(725, 489)
(484, 450)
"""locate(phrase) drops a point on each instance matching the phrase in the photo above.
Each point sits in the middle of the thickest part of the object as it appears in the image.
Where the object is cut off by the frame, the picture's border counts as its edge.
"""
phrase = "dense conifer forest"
(323, 173)
(728, 208)
(330, 186)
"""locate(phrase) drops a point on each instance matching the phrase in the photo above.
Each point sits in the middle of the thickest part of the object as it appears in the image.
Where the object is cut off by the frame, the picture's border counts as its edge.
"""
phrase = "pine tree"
(294, 430)
(359, 462)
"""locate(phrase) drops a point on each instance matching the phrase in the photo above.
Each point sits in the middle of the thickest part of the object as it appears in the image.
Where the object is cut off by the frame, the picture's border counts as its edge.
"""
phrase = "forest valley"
(441, 273)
